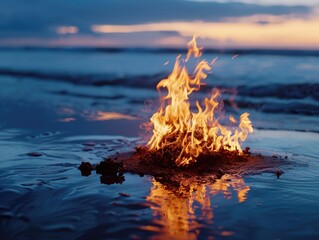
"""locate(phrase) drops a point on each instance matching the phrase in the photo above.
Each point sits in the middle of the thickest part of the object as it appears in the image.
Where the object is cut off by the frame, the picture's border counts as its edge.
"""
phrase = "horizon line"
(238, 50)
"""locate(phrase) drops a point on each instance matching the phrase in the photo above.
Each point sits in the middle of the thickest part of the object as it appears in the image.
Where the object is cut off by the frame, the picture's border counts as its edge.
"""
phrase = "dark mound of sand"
(160, 165)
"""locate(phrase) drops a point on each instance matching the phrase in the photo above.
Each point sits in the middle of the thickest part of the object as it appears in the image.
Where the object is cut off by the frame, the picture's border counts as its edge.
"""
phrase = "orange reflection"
(179, 210)
(67, 30)
(104, 116)
(66, 111)
(66, 119)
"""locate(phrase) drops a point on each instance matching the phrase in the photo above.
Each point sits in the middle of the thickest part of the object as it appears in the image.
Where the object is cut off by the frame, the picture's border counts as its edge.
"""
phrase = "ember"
(185, 136)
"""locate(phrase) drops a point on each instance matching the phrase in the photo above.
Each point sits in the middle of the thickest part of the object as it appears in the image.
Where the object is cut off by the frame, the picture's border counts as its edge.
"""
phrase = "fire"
(192, 134)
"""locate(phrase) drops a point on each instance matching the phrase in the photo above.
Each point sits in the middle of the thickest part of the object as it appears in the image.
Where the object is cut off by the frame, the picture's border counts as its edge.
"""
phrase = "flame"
(193, 49)
(177, 211)
(195, 133)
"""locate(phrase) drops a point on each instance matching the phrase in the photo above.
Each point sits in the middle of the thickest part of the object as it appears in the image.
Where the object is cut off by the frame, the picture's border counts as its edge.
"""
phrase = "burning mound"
(186, 144)
(191, 135)
(207, 169)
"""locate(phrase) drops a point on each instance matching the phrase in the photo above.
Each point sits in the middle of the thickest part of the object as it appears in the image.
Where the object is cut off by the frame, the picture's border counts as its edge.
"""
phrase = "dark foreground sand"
(206, 170)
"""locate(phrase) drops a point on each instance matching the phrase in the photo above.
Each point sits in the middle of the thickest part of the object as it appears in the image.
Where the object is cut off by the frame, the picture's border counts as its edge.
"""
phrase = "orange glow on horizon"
(256, 31)
(276, 31)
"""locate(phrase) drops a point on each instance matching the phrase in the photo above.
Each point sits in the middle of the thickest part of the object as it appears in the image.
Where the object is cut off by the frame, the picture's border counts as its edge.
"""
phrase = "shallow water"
(45, 197)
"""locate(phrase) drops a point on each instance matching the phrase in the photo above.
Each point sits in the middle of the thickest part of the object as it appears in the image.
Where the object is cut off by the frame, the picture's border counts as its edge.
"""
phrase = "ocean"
(74, 105)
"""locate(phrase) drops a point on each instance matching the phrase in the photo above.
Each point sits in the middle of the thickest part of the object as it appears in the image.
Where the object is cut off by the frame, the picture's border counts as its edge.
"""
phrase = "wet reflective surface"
(182, 210)
(44, 137)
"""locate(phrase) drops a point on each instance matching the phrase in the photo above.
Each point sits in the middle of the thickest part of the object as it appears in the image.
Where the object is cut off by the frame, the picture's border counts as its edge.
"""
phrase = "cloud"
(269, 2)
(140, 39)
(42, 18)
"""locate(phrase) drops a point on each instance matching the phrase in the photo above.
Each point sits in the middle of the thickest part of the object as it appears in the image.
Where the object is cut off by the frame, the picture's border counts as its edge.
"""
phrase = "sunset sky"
(288, 24)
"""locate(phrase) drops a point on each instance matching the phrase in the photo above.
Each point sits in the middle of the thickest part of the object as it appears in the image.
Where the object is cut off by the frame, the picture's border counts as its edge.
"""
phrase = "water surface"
(73, 106)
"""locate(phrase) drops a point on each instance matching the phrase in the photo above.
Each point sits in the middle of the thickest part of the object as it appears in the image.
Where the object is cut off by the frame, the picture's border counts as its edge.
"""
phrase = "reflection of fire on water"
(70, 114)
(104, 116)
(179, 210)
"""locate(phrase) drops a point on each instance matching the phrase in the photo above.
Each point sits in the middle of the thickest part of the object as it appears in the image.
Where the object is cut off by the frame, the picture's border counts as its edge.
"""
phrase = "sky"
(285, 24)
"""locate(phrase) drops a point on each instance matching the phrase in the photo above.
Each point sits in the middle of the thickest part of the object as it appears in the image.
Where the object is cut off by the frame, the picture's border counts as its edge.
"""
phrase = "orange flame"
(193, 49)
(194, 132)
